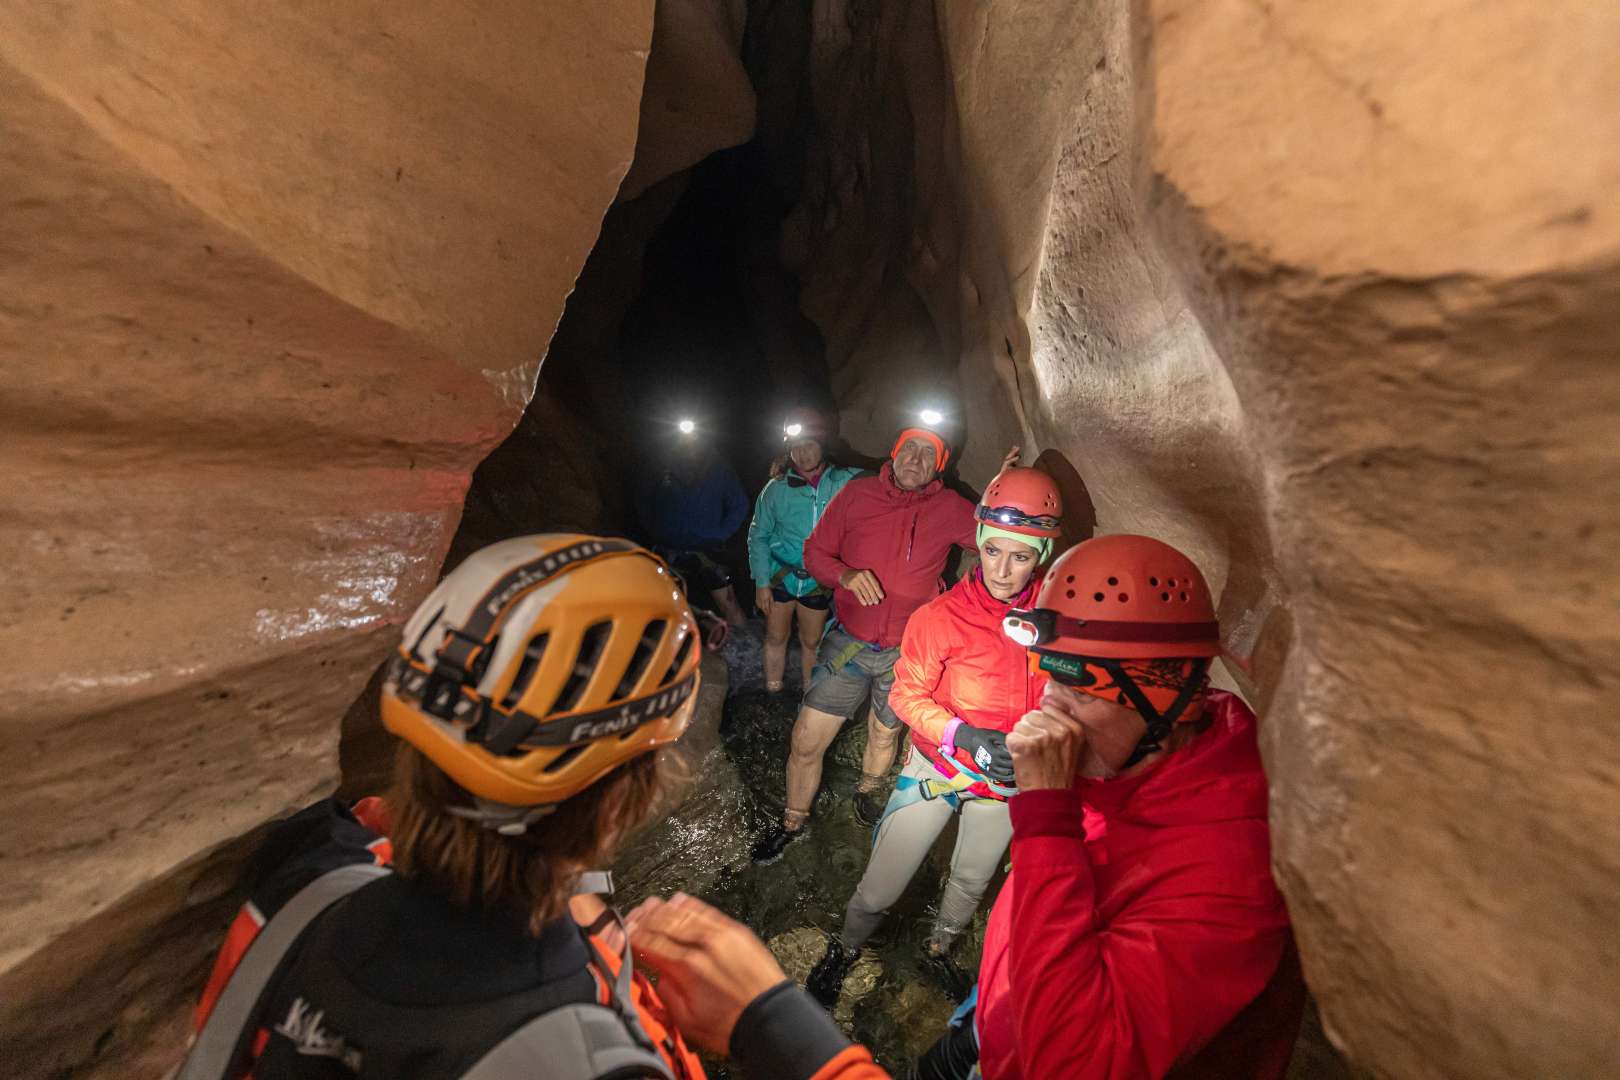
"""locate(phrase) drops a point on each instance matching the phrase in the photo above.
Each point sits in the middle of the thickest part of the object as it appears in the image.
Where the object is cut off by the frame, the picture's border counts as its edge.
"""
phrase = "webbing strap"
(574, 1042)
(233, 1017)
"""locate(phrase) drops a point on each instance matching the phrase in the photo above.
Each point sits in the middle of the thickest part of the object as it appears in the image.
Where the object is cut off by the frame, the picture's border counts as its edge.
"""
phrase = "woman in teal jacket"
(786, 511)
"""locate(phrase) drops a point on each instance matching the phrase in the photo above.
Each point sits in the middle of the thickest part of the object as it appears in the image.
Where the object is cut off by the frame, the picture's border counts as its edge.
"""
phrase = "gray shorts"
(861, 669)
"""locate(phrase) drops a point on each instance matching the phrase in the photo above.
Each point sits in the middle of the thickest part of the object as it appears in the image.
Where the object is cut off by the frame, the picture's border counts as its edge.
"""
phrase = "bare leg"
(778, 624)
(813, 732)
(811, 623)
(726, 600)
(880, 746)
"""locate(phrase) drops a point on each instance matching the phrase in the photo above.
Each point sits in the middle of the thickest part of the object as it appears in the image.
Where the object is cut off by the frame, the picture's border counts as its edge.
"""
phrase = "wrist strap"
(947, 742)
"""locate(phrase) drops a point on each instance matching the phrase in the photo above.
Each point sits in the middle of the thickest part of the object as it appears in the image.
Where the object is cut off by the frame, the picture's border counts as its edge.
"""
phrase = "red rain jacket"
(901, 536)
(1154, 944)
(955, 661)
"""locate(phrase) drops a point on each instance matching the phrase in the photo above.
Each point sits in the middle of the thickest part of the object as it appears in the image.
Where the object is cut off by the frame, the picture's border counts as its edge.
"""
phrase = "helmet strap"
(1159, 725)
(501, 818)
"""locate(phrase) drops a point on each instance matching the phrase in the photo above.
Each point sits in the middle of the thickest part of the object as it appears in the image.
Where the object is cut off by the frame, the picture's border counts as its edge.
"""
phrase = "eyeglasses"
(1011, 515)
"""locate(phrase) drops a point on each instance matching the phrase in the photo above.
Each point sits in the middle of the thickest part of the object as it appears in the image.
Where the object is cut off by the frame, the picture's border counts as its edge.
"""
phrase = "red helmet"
(1024, 501)
(1130, 619)
(1123, 597)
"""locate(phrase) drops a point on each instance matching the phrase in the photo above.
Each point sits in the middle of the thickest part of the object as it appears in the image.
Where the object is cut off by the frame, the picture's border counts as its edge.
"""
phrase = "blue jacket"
(787, 510)
(694, 517)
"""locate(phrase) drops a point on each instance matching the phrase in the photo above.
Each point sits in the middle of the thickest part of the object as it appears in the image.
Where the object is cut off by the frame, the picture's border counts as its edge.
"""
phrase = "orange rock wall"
(1326, 295)
(272, 282)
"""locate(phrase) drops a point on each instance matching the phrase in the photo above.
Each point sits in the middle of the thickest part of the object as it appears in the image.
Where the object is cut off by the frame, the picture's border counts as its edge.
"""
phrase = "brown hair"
(533, 874)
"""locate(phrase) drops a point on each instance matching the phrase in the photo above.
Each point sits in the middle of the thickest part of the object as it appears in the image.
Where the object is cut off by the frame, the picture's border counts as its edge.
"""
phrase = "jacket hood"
(1216, 777)
(895, 493)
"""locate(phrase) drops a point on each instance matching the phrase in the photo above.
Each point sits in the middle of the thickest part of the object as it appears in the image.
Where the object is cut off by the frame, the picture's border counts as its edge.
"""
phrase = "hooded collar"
(978, 593)
(898, 494)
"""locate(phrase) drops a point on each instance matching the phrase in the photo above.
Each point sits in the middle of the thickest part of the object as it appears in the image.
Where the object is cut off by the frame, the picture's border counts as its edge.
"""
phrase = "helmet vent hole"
(1164, 596)
(650, 639)
(1070, 594)
(591, 645)
(1183, 598)
(1099, 597)
(1153, 581)
(680, 660)
(526, 670)
(1170, 582)
(1069, 580)
(1113, 581)
(561, 760)
(1123, 597)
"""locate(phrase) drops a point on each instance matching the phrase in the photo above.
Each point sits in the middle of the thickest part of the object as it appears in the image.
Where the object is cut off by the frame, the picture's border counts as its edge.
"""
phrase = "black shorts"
(816, 601)
(702, 572)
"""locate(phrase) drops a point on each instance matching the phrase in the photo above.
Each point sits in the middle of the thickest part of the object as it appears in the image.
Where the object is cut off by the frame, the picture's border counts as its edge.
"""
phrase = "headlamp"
(932, 417)
(793, 431)
(687, 427)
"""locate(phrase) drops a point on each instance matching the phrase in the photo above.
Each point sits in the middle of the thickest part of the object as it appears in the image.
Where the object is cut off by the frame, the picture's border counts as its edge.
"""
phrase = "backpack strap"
(581, 1042)
(573, 1042)
(234, 1018)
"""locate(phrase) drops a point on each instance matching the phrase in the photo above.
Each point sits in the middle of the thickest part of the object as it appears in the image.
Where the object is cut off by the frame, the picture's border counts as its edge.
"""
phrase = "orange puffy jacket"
(956, 662)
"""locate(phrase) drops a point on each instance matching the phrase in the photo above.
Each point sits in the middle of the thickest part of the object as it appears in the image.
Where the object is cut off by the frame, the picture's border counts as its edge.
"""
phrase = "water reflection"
(895, 1000)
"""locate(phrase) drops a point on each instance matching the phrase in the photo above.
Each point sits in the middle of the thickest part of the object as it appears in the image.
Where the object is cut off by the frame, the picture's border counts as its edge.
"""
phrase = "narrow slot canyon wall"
(272, 282)
(1326, 295)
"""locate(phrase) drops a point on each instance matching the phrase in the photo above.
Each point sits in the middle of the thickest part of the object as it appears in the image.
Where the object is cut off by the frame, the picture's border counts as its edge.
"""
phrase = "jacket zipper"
(911, 538)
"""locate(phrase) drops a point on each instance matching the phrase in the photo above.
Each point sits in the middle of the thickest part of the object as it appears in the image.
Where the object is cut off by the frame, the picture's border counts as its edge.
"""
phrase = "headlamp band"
(1011, 515)
(1049, 626)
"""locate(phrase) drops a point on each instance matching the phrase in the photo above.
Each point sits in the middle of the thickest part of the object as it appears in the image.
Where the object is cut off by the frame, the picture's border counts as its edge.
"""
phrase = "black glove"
(988, 751)
(953, 1056)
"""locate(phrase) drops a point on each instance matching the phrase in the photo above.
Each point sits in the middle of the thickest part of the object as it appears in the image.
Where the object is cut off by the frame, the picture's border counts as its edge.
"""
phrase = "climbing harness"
(576, 1041)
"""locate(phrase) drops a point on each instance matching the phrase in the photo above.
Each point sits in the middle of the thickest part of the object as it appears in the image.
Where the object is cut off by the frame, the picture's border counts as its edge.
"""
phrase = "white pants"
(903, 840)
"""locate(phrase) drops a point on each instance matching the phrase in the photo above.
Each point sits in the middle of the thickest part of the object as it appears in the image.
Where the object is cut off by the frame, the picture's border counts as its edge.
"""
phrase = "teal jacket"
(784, 514)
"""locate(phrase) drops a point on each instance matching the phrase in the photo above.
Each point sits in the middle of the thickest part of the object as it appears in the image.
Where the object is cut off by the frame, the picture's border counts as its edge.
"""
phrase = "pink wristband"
(947, 742)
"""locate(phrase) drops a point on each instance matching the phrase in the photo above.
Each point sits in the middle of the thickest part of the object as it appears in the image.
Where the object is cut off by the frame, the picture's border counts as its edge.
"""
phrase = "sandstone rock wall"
(1324, 294)
(272, 281)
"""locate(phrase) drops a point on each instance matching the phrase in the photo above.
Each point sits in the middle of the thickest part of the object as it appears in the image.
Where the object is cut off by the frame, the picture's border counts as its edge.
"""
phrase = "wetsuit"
(955, 664)
(397, 979)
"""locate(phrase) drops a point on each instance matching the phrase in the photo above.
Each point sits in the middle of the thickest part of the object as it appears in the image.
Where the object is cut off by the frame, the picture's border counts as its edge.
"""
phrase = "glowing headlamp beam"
(687, 427)
(931, 416)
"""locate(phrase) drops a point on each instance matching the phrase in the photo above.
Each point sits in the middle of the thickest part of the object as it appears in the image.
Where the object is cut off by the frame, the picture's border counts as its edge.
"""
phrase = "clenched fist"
(1046, 748)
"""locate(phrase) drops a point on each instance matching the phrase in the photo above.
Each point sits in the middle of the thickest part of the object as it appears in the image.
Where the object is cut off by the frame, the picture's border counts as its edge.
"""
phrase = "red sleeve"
(965, 523)
(916, 676)
(824, 549)
(1139, 994)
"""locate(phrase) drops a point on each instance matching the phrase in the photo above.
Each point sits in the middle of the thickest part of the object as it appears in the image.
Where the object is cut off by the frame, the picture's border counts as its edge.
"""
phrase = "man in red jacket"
(881, 546)
(1140, 933)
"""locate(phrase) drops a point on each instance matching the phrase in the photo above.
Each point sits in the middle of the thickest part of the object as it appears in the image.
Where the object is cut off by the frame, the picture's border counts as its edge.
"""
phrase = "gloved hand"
(988, 750)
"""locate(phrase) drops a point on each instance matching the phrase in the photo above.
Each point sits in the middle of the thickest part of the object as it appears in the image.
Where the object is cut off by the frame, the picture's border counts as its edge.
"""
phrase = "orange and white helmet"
(539, 665)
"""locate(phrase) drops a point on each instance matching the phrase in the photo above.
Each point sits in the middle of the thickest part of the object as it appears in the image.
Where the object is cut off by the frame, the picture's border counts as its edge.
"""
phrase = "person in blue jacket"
(784, 514)
(689, 509)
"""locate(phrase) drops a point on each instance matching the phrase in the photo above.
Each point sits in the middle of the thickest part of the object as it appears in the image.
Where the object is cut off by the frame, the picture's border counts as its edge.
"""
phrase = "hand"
(763, 599)
(864, 584)
(716, 631)
(710, 966)
(988, 749)
(1011, 459)
(1046, 748)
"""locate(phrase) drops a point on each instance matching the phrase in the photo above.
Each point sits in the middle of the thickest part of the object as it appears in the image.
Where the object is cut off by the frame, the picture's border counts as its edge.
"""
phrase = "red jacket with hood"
(901, 536)
(1152, 941)
(955, 661)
